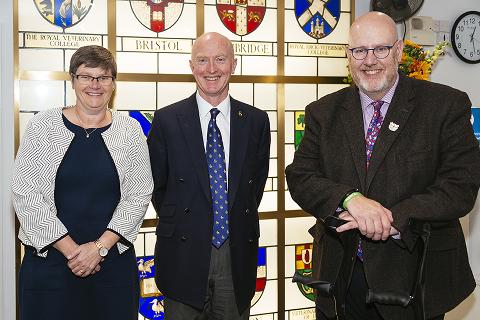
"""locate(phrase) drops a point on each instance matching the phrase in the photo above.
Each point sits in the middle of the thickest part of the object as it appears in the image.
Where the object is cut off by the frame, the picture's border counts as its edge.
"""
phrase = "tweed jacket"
(44, 144)
(425, 166)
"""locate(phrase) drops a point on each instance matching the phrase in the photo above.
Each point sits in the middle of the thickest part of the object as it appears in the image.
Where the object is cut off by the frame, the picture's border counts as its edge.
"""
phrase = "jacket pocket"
(445, 239)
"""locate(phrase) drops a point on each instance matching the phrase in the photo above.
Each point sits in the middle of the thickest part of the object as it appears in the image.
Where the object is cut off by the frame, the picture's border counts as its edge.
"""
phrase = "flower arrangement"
(416, 62)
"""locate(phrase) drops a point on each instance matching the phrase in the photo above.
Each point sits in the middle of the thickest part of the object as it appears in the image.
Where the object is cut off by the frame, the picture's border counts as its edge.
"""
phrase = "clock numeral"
(460, 28)
(459, 45)
(478, 52)
(457, 36)
(471, 54)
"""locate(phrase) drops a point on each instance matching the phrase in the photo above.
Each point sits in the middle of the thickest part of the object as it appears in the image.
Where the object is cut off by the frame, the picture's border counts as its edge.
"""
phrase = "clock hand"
(471, 36)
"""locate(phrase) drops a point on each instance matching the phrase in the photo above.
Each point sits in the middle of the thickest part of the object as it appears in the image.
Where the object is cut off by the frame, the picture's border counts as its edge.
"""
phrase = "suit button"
(247, 211)
(186, 210)
(183, 238)
(181, 180)
(250, 240)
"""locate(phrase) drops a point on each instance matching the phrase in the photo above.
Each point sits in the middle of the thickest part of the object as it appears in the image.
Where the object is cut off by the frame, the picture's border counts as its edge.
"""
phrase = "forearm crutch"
(416, 297)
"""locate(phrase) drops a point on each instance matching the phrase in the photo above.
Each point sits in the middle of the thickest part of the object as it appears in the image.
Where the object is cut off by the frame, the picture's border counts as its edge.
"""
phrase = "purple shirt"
(367, 108)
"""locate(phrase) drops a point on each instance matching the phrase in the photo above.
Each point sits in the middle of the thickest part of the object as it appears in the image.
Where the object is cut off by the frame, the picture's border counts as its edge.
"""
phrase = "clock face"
(465, 37)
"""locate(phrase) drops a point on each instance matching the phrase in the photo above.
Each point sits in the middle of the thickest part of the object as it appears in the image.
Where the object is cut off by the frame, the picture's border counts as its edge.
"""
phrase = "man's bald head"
(372, 25)
(212, 38)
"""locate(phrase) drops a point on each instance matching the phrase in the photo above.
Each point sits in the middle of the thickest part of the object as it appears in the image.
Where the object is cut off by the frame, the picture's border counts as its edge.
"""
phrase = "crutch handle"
(390, 298)
(323, 288)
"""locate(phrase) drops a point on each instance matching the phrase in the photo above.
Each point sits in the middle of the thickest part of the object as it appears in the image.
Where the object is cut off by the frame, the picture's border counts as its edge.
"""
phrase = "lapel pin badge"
(240, 113)
(393, 126)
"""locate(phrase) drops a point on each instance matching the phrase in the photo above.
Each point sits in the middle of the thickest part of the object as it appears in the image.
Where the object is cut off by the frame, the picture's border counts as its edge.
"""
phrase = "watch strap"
(99, 244)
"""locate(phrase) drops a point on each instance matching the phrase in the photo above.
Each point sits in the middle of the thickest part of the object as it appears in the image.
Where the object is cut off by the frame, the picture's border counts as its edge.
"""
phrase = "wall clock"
(465, 37)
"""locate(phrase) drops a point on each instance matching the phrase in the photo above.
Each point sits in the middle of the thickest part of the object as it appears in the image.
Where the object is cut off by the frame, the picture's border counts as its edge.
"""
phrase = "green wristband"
(350, 197)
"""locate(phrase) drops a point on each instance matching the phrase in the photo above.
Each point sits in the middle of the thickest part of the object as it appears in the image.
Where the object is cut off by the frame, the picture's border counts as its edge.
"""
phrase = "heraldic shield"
(151, 299)
(157, 15)
(261, 275)
(63, 13)
(303, 264)
(317, 18)
(241, 16)
(144, 118)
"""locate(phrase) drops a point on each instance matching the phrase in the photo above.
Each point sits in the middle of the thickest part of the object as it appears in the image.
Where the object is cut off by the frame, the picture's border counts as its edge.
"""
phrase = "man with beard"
(387, 155)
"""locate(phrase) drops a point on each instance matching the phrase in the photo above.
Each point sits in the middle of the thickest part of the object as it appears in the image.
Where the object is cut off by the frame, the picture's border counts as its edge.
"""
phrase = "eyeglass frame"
(389, 47)
(91, 79)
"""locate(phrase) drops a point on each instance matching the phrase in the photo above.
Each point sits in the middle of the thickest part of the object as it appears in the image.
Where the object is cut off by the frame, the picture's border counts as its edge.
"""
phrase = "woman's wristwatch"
(102, 251)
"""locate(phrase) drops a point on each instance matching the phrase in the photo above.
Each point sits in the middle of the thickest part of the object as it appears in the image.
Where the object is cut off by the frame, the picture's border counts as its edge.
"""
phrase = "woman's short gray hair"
(92, 57)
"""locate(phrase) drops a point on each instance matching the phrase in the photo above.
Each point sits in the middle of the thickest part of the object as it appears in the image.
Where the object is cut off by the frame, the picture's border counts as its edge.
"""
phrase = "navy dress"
(87, 191)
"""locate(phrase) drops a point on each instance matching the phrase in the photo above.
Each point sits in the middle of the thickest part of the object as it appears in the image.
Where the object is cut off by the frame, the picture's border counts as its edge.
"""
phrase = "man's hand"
(352, 224)
(85, 260)
(368, 216)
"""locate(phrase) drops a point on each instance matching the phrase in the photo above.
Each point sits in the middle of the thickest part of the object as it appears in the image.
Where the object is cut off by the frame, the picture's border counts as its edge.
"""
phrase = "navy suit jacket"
(425, 166)
(182, 199)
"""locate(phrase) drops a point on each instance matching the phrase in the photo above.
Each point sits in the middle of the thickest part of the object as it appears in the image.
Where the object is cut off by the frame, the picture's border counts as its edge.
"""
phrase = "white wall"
(7, 228)
(451, 71)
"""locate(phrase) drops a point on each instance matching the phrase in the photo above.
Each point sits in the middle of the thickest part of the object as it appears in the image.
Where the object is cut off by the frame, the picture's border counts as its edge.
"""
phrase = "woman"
(82, 183)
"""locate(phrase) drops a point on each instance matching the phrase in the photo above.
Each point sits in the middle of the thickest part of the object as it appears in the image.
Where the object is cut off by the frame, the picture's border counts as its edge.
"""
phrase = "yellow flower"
(416, 62)
(410, 43)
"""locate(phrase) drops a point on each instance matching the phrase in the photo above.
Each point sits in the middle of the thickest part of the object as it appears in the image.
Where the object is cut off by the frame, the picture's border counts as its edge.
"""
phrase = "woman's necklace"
(83, 125)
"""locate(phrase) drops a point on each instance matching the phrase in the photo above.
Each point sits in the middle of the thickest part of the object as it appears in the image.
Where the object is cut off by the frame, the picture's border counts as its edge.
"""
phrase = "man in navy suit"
(210, 156)
(387, 155)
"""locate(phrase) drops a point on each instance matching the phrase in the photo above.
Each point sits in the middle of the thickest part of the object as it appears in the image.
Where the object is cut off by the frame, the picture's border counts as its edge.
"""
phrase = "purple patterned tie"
(373, 129)
(372, 134)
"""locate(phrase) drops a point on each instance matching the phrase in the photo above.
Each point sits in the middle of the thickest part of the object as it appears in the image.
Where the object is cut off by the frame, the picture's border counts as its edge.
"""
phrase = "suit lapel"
(189, 122)
(352, 119)
(238, 147)
(398, 113)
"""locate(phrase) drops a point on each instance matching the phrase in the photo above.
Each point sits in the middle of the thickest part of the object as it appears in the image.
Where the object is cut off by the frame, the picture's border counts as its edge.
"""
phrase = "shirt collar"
(204, 107)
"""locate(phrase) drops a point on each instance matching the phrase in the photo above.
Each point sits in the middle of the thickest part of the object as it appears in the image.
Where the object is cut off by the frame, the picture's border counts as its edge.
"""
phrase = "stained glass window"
(152, 42)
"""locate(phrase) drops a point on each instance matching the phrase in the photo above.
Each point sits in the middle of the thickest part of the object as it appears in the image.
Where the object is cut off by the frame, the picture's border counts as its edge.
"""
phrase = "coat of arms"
(241, 16)
(144, 118)
(317, 18)
(63, 13)
(261, 275)
(299, 127)
(475, 121)
(151, 299)
(157, 15)
(303, 264)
